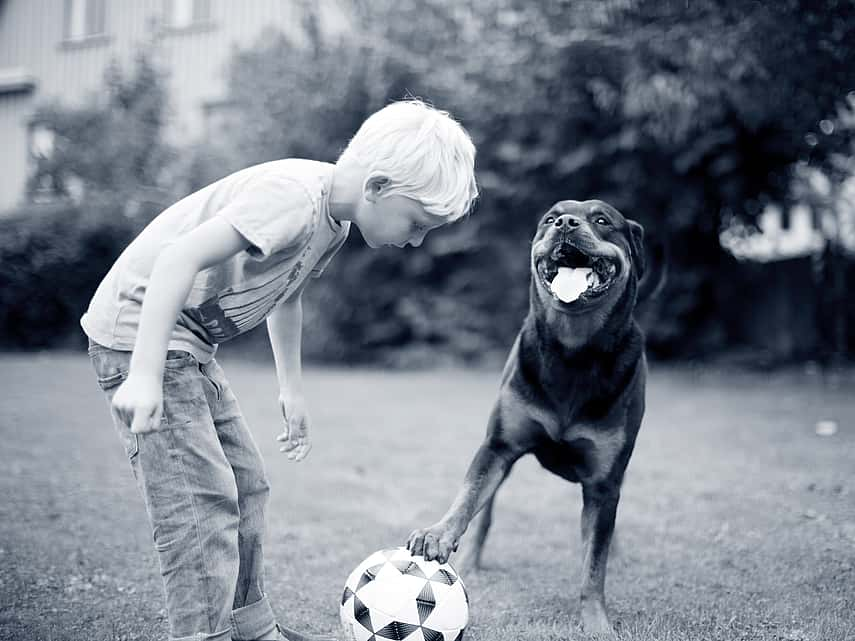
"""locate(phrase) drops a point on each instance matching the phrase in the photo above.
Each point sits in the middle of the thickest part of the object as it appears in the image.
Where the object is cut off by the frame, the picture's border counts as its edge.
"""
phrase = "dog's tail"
(656, 274)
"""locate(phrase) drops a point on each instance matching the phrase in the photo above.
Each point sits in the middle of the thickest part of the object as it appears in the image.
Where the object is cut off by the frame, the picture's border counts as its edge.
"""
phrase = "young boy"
(211, 267)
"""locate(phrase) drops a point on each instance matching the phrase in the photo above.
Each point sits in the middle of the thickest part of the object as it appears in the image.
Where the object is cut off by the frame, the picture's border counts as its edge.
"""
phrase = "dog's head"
(584, 258)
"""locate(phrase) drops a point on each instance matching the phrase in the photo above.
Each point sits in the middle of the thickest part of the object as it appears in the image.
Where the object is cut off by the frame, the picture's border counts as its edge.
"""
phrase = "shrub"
(53, 258)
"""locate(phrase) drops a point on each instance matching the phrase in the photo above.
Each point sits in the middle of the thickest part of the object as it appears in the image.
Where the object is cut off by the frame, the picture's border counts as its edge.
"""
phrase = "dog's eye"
(602, 220)
(549, 220)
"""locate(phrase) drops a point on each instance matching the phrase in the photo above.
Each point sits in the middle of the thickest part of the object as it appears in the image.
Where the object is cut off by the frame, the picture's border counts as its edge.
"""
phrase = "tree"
(680, 114)
(113, 146)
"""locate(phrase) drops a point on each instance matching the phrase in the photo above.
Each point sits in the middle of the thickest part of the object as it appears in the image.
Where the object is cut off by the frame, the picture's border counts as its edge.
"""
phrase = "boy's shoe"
(286, 634)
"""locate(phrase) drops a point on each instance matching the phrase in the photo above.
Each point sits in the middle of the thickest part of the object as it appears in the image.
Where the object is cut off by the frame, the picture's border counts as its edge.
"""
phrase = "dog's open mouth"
(571, 274)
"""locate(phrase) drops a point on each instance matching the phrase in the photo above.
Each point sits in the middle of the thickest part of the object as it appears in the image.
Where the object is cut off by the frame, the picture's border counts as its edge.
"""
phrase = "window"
(42, 139)
(16, 80)
(49, 178)
(84, 18)
(44, 183)
(181, 14)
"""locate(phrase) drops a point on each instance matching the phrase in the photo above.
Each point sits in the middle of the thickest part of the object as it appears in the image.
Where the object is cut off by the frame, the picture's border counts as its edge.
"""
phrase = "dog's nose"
(568, 221)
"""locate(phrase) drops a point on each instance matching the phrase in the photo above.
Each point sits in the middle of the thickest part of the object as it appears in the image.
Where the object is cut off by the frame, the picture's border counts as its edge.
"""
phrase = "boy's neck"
(346, 190)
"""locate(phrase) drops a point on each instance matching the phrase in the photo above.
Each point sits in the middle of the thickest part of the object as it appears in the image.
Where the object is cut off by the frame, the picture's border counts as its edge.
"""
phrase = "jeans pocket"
(176, 359)
(107, 383)
(111, 368)
(184, 400)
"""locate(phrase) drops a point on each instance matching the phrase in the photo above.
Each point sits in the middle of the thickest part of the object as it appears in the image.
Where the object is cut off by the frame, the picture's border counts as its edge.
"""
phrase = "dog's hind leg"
(469, 558)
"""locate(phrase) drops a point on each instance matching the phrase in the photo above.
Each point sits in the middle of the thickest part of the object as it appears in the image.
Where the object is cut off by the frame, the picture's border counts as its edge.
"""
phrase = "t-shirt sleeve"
(273, 213)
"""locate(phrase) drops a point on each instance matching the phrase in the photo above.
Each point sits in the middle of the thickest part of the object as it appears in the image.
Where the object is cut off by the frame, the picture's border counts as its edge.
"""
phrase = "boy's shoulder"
(312, 175)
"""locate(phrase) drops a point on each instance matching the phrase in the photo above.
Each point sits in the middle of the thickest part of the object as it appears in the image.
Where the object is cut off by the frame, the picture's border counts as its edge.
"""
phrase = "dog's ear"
(636, 246)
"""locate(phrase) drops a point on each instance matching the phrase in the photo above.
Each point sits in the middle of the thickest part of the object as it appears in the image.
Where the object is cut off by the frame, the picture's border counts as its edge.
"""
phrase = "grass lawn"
(737, 521)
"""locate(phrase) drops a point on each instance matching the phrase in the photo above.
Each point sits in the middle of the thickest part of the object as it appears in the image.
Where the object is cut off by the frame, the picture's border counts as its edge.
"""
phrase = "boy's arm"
(285, 326)
(139, 401)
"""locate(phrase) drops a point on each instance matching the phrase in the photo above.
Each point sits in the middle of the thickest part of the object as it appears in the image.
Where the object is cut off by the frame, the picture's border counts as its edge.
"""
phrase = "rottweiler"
(572, 390)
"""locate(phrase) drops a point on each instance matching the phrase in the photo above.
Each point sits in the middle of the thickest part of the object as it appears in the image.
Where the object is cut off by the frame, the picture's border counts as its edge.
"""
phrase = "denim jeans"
(202, 478)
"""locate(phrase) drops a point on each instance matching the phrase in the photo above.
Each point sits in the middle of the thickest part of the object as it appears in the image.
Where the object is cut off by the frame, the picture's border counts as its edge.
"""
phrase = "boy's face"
(394, 220)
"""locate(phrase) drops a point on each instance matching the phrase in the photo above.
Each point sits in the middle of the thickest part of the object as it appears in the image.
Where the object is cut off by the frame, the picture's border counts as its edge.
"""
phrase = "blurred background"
(726, 128)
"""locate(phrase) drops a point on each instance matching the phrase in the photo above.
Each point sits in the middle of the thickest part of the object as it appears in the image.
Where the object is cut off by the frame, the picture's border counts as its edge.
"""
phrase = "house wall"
(31, 41)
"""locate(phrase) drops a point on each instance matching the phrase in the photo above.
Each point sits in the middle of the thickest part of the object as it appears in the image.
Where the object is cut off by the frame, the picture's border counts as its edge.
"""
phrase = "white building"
(59, 50)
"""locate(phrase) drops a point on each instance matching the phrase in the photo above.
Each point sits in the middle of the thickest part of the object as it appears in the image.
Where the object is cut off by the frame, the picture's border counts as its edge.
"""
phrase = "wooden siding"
(31, 37)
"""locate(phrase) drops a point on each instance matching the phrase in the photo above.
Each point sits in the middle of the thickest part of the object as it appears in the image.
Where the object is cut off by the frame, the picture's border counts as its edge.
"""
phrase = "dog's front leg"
(468, 560)
(486, 472)
(600, 501)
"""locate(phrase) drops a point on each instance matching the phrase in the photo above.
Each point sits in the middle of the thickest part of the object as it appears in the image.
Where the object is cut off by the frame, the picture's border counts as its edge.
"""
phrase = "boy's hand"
(139, 403)
(295, 437)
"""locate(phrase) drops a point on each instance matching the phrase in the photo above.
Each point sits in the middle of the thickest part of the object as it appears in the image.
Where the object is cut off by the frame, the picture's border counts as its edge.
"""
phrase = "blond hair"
(425, 154)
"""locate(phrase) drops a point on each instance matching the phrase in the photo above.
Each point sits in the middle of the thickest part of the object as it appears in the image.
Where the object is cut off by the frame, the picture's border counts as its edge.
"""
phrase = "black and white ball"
(395, 595)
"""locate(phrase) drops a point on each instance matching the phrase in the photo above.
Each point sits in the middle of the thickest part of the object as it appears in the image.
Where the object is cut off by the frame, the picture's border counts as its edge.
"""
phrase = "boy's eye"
(602, 220)
(549, 220)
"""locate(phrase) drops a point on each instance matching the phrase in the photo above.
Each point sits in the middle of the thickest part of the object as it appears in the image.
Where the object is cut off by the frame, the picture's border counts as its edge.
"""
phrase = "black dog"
(572, 391)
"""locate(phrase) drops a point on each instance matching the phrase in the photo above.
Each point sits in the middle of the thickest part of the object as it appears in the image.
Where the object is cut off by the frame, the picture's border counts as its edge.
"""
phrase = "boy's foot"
(286, 634)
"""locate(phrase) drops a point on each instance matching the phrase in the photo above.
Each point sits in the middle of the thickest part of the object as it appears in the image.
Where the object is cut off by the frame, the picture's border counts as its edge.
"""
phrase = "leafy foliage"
(113, 147)
(53, 258)
(681, 114)
(678, 113)
(55, 253)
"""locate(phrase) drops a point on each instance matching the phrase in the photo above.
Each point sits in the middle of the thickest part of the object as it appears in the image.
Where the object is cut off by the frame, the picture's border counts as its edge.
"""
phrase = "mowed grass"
(736, 522)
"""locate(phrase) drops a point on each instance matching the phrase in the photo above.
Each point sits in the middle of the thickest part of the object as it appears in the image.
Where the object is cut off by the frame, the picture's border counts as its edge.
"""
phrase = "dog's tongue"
(569, 283)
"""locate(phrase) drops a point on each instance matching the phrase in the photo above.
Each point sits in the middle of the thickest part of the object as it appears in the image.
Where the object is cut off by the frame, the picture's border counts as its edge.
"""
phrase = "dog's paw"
(595, 622)
(434, 543)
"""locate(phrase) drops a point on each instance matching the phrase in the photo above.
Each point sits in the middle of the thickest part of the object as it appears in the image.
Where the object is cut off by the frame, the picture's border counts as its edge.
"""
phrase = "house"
(59, 50)
(794, 298)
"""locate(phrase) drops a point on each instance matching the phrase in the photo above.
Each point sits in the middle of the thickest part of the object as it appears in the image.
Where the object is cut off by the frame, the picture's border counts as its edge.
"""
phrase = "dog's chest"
(607, 436)
(583, 418)
(599, 444)
(570, 417)
(578, 448)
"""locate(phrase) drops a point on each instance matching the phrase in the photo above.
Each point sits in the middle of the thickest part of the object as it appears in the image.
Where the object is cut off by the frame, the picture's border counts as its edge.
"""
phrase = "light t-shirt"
(280, 207)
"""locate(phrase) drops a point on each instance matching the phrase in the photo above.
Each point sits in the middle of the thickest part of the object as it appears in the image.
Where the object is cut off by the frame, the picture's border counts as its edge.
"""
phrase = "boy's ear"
(375, 187)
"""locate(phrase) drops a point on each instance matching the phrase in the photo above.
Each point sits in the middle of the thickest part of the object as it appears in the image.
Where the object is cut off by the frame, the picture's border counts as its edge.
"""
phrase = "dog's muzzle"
(572, 274)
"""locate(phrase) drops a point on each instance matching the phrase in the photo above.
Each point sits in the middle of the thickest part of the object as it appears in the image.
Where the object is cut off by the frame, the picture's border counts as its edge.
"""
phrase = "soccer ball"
(395, 595)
